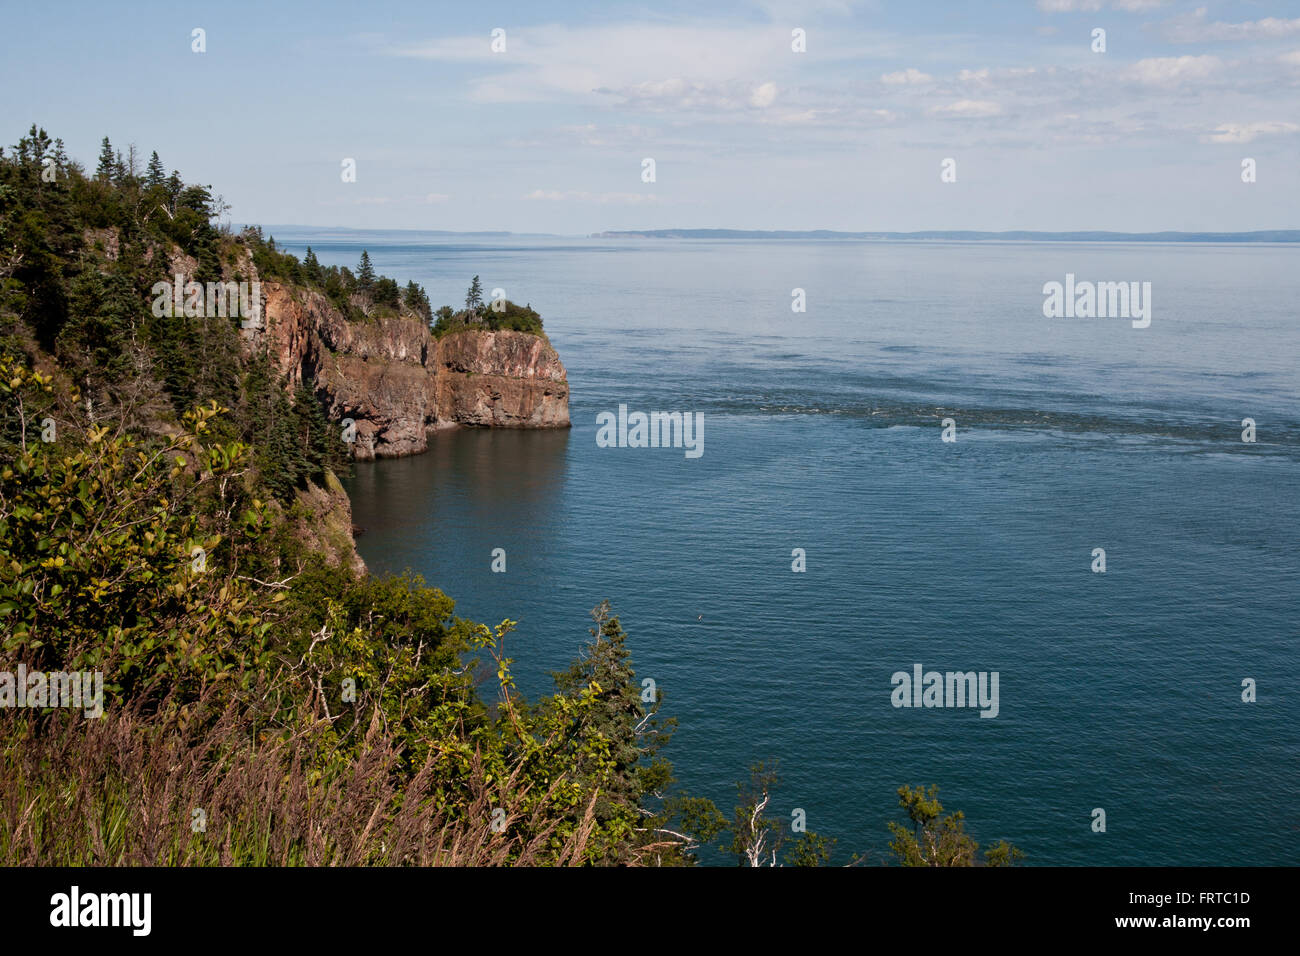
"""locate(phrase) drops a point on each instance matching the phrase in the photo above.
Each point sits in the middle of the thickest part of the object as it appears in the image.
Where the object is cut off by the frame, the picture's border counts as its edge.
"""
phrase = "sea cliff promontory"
(397, 382)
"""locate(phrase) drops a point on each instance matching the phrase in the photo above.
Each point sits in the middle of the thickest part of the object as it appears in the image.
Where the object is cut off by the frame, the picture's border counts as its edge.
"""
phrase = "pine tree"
(311, 266)
(107, 162)
(633, 732)
(474, 296)
(365, 272)
(417, 301)
(155, 175)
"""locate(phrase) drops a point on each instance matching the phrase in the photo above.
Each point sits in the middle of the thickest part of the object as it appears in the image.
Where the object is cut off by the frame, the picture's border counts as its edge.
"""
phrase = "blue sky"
(549, 135)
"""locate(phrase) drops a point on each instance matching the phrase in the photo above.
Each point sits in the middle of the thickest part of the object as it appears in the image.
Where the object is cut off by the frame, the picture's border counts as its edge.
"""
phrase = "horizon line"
(1076, 235)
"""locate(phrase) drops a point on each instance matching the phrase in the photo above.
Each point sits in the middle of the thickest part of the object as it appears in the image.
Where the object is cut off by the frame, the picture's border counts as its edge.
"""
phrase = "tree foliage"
(937, 840)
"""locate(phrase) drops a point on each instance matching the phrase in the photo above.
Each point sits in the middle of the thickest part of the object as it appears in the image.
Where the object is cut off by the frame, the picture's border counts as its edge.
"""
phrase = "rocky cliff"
(398, 383)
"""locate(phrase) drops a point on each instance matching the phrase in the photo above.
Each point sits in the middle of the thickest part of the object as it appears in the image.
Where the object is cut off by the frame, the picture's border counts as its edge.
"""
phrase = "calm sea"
(822, 431)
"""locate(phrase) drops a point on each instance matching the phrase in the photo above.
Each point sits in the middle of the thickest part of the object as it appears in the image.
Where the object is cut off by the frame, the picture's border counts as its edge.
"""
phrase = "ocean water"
(822, 431)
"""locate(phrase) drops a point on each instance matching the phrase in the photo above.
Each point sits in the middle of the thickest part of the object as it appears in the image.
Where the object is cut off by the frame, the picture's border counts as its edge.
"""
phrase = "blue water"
(822, 431)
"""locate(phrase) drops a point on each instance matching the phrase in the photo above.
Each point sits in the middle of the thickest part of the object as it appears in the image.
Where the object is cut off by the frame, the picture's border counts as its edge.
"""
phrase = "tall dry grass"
(121, 790)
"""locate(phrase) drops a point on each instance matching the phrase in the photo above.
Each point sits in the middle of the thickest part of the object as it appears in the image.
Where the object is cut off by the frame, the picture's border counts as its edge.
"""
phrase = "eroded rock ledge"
(398, 383)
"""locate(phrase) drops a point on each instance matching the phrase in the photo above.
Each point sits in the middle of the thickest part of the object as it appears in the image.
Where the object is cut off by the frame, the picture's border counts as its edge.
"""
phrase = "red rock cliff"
(397, 382)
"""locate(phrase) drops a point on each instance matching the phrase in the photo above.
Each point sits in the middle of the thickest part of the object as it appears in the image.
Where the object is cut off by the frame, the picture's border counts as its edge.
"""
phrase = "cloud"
(1246, 132)
(643, 61)
(783, 10)
(909, 77)
(1092, 6)
(967, 109)
(577, 195)
(651, 85)
(1195, 28)
(386, 200)
(678, 94)
(1172, 70)
(1005, 77)
(1068, 6)
(763, 96)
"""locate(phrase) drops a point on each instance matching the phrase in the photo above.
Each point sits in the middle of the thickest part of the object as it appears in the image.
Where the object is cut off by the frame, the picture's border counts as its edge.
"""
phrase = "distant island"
(1265, 235)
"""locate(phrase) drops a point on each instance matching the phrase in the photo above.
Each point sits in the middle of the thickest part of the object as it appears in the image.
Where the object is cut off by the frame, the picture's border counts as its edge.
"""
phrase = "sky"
(550, 134)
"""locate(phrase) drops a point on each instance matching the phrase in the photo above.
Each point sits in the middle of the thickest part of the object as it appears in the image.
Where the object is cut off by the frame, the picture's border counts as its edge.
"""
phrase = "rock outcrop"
(397, 382)
(327, 528)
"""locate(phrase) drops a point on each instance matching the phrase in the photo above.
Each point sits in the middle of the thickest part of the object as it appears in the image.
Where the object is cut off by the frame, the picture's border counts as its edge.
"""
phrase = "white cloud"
(1195, 28)
(1005, 77)
(1246, 132)
(386, 200)
(763, 96)
(653, 60)
(680, 95)
(1092, 6)
(909, 77)
(1068, 6)
(1172, 70)
(578, 195)
(967, 109)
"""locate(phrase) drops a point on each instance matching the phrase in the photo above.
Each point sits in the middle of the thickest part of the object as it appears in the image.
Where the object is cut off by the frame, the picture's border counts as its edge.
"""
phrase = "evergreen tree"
(417, 301)
(632, 730)
(320, 442)
(444, 320)
(386, 292)
(311, 266)
(107, 162)
(270, 426)
(95, 341)
(155, 175)
(365, 272)
(474, 296)
(174, 186)
(42, 236)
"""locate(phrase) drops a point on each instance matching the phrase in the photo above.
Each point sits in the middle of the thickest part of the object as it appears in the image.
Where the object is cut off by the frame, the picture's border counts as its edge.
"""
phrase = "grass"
(121, 791)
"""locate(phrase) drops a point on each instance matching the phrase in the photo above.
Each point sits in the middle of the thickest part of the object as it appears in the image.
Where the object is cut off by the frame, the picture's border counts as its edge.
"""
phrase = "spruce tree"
(107, 161)
(474, 296)
(311, 266)
(632, 730)
(155, 175)
(417, 301)
(365, 272)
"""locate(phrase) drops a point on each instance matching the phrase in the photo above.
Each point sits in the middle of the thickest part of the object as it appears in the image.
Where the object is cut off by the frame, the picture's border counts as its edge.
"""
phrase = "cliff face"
(397, 382)
(510, 379)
